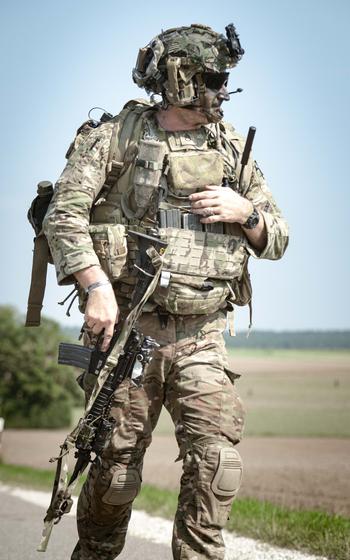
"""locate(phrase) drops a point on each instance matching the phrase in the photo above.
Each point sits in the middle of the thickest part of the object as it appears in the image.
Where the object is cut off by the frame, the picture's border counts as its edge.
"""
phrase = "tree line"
(302, 340)
(35, 392)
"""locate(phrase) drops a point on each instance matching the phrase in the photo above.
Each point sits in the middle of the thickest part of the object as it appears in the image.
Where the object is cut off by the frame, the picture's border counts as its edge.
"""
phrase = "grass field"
(301, 393)
(315, 532)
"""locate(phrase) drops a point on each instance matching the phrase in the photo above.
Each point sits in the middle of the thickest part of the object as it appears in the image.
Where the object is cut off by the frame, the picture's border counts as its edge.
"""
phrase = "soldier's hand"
(220, 204)
(102, 313)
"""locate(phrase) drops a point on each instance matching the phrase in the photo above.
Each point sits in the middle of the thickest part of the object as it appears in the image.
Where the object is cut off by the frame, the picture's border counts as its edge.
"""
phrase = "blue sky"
(61, 59)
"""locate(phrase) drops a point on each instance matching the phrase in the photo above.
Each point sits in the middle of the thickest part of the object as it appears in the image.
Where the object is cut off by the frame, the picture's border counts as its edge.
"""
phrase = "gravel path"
(149, 537)
(21, 525)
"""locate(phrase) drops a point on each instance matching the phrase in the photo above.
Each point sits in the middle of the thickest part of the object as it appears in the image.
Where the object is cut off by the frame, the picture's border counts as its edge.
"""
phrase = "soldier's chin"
(215, 114)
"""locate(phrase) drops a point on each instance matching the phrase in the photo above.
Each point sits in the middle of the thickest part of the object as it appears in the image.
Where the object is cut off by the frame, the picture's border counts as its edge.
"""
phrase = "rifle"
(127, 356)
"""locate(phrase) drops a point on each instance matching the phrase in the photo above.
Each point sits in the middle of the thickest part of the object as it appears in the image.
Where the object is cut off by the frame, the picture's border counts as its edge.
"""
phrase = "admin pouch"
(194, 170)
(197, 270)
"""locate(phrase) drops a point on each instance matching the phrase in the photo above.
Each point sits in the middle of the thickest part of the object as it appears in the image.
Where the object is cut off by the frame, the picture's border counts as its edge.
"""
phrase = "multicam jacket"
(130, 173)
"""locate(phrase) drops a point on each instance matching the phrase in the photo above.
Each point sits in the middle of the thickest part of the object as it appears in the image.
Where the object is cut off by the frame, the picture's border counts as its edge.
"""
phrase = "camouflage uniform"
(189, 373)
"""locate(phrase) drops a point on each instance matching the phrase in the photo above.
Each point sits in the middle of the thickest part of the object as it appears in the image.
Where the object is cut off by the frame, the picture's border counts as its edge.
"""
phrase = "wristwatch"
(253, 220)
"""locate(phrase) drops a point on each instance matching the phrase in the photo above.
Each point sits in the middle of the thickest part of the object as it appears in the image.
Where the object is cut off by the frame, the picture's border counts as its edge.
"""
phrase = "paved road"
(20, 530)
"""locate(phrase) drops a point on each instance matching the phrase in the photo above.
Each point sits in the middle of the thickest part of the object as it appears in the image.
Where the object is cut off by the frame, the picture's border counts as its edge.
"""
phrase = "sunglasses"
(215, 80)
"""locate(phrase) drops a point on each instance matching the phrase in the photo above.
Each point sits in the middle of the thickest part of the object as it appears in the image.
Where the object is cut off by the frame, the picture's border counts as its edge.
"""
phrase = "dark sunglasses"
(215, 80)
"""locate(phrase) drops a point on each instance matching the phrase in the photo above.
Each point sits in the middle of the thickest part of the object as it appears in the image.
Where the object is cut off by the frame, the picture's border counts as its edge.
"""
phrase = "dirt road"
(309, 473)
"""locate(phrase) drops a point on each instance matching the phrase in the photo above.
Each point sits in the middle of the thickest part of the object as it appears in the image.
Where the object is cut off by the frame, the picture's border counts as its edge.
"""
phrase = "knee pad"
(228, 475)
(124, 487)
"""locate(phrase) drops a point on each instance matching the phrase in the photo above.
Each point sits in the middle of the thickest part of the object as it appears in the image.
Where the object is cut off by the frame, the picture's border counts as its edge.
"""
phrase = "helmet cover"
(168, 64)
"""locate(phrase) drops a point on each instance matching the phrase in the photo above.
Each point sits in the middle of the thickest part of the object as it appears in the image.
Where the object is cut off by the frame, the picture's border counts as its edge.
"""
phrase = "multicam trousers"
(190, 376)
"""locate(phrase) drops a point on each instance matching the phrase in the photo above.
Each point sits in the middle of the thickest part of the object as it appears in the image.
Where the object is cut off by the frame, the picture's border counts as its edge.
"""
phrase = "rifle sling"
(61, 485)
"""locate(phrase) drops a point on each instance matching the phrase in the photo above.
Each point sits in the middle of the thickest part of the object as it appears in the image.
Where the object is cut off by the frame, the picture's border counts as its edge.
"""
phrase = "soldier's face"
(213, 100)
(215, 93)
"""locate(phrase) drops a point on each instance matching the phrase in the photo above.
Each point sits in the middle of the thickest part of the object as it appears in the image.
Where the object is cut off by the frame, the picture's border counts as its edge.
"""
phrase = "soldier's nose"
(223, 94)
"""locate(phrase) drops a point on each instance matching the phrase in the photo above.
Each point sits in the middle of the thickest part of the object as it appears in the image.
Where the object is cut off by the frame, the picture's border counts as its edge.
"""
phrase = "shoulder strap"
(131, 125)
(119, 157)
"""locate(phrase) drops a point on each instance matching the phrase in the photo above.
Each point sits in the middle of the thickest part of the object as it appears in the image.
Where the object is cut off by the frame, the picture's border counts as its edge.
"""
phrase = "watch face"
(253, 220)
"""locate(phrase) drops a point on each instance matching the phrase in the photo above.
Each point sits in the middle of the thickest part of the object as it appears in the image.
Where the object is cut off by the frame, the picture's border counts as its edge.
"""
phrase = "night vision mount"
(233, 43)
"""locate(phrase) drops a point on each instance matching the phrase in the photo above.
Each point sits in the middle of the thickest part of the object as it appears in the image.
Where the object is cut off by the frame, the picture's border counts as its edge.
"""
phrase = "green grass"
(24, 476)
(38, 479)
(296, 393)
(314, 532)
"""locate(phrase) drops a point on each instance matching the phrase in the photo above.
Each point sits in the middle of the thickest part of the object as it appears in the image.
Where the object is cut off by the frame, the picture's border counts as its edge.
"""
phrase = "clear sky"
(59, 59)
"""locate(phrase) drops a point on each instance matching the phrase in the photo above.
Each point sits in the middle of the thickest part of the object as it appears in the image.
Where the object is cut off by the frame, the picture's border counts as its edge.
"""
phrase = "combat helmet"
(175, 63)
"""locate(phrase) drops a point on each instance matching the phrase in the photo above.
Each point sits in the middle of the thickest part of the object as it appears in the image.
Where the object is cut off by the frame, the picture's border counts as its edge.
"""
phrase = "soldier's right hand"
(102, 313)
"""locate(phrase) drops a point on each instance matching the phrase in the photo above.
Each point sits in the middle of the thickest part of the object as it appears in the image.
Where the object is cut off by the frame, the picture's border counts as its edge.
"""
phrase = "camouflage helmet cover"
(170, 61)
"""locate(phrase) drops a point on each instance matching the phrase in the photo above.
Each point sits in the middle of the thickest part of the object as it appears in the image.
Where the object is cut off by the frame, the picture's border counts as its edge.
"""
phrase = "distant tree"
(35, 392)
(307, 340)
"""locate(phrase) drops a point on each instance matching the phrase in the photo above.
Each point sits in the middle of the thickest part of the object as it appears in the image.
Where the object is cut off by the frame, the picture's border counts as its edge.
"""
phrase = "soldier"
(171, 169)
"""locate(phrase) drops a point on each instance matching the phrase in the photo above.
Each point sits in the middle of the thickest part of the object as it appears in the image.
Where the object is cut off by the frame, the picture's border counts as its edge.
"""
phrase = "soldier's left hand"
(220, 204)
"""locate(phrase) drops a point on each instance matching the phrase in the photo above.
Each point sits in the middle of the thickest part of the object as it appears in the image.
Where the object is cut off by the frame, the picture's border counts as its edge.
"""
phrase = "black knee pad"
(124, 487)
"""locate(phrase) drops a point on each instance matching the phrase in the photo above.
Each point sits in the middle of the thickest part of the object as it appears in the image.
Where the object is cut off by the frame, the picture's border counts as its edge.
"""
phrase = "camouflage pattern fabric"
(277, 229)
(190, 375)
(66, 223)
(198, 253)
(198, 48)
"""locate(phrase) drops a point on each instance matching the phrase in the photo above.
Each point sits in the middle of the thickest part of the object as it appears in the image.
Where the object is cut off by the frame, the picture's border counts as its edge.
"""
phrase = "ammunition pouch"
(203, 254)
(110, 245)
(147, 174)
(197, 267)
(191, 296)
